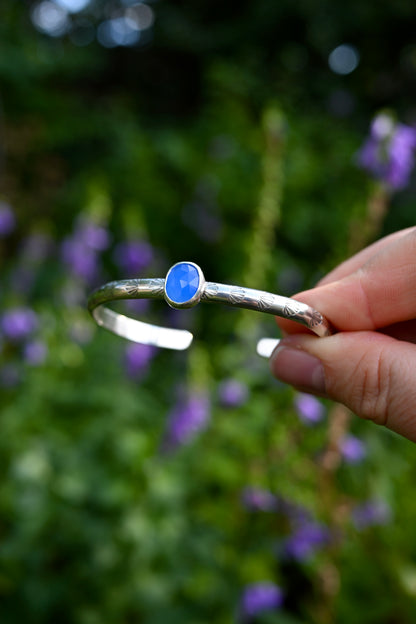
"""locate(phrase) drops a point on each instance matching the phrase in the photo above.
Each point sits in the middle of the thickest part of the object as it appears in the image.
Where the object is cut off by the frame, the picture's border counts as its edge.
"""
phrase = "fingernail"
(298, 368)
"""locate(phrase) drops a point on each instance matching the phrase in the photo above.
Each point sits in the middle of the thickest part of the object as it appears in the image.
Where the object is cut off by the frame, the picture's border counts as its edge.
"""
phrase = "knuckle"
(373, 383)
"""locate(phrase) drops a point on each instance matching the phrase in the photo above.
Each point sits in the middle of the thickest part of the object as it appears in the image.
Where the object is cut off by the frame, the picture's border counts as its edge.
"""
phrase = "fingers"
(371, 373)
(363, 256)
(380, 293)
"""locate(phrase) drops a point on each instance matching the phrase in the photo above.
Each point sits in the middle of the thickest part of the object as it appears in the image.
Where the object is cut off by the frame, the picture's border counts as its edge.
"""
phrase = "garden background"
(159, 488)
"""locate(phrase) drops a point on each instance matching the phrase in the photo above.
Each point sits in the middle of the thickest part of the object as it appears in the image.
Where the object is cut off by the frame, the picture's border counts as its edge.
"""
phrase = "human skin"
(369, 363)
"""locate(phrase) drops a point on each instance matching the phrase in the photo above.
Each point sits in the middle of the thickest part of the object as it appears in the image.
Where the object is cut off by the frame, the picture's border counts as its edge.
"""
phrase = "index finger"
(359, 259)
(379, 293)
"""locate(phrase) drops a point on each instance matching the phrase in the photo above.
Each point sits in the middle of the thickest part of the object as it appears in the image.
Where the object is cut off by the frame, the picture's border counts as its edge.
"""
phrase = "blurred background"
(265, 141)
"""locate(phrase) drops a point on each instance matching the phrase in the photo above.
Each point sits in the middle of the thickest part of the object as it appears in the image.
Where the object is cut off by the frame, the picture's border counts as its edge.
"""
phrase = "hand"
(369, 364)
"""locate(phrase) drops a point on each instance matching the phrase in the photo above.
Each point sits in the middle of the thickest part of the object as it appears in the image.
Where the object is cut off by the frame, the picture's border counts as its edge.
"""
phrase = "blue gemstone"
(182, 282)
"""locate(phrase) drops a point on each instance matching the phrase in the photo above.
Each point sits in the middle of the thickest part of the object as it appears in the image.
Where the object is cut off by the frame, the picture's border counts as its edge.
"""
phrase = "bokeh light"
(73, 6)
(141, 14)
(50, 18)
(120, 24)
(125, 30)
(344, 59)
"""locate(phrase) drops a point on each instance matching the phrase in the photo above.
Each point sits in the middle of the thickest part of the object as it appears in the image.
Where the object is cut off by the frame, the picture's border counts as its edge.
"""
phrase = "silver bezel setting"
(193, 301)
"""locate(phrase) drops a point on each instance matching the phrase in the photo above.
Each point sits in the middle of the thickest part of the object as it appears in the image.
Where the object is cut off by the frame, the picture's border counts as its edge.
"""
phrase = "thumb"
(371, 373)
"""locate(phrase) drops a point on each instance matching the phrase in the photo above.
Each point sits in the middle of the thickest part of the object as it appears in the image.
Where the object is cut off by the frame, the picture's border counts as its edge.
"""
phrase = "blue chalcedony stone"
(182, 282)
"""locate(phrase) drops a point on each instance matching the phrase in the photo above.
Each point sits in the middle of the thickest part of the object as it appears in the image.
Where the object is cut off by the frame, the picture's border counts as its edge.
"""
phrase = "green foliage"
(214, 143)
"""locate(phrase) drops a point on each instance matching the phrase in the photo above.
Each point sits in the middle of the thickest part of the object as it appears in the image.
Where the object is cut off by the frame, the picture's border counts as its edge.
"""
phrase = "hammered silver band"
(212, 292)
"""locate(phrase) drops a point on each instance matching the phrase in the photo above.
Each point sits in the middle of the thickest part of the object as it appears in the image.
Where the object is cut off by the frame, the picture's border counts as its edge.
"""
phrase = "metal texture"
(210, 292)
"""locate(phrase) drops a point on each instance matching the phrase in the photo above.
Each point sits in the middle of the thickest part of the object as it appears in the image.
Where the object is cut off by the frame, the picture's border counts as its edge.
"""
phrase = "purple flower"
(310, 410)
(295, 513)
(306, 539)
(258, 499)
(352, 449)
(371, 513)
(260, 597)
(137, 358)
(81, 250)
(133, 256)
(186, 420)
(7, 219)
(388, 153)
(93, 235)
(35, 352)
(233, 393)
(81, 260)
(19, 323)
